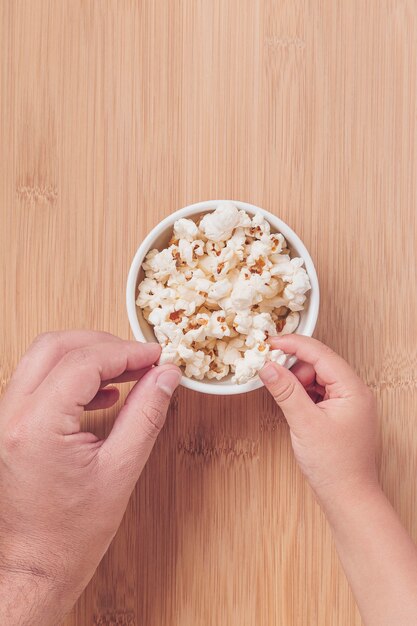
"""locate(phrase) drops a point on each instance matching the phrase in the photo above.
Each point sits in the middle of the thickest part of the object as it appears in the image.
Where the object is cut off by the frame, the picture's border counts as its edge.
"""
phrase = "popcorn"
(196, 328)
(232, 351)
(236, 244)
(277, 244)
(169, 354)
(291, 322)
(264, 284)
(218, 292)
(217, 369)
(244, 295)
(152, 294)
(160, 315)
(160, 265)
(262, 327)
(259, 250)
(295, 291)
(217, 326)
(168, 332)
(185, 229)
(243, 322)
(258, 227)
(198, 365)
(189, 252)
(208, 264)
(219, 289)
(278, 356)
(219, 225)
(252, 361)
(271, 304)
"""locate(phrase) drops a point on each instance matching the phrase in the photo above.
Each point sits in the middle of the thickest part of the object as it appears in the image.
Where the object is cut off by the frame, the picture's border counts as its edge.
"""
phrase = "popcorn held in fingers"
(220, 289)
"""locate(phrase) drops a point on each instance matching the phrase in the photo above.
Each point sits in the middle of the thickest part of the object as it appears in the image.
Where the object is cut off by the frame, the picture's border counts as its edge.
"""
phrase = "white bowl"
(159, 237)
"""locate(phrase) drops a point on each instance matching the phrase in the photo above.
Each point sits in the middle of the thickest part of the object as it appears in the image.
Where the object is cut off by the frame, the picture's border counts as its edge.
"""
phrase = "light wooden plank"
(114, 114)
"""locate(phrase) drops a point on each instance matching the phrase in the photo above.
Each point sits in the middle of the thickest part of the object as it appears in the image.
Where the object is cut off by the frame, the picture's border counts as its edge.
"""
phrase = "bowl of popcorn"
(211, 283)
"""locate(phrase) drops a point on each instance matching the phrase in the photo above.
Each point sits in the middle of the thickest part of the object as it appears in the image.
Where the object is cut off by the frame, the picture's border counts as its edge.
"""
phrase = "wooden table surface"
(115, 113)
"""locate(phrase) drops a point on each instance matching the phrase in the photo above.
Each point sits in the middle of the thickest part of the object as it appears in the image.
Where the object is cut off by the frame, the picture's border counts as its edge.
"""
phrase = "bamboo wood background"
(115, 113)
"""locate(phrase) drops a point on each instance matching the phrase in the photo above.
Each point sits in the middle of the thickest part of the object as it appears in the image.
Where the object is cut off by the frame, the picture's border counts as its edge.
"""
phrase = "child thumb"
(288, 393)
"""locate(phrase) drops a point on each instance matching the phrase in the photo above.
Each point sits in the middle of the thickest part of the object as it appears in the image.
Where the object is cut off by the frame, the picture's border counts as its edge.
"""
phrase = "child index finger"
(330, 367)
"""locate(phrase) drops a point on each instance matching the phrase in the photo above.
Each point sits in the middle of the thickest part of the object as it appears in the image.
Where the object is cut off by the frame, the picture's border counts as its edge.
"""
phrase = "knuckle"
(153, 418)
(327, 352)
(78, 356)
(284, 391)
(47, 340)
(15, 437)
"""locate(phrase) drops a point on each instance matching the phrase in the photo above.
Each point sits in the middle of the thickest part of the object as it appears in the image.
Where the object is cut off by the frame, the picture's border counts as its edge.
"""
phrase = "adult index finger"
(47, 350)
(76, 379)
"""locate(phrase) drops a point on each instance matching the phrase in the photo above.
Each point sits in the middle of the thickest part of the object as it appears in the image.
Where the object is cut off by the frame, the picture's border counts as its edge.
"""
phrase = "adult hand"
(63, 492)
(331, 414)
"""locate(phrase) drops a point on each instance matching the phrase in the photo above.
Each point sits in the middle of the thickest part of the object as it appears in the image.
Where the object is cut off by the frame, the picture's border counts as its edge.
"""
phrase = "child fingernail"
(269, 373)
(168, 381)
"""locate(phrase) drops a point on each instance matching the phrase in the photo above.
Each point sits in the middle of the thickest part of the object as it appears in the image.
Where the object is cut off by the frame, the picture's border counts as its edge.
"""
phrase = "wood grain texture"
(114, 114)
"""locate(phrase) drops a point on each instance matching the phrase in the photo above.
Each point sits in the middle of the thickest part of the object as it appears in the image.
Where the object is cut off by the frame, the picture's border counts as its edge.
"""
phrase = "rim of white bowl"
(214, 387)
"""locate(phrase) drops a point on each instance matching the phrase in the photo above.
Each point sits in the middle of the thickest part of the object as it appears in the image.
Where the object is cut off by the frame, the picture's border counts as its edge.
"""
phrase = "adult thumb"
(141, 419)
(288, 393)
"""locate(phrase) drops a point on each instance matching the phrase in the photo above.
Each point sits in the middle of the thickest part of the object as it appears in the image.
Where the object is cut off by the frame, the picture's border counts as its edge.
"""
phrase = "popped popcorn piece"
(262, 327)
(169, 354)
(244, 295)
(291, 322)
(227, 305)
(152, 294)
(162, 264)
(259, 249)
(233, 350)
(168, 332)
(243, 322)
(198, 247)
(295, 291)
(258, 227)
(278, 356)
(252, 361)
(190, 251)
(185, 229)
(198, 365)
(264, 284)
(277, 244)
(217, 369)
(219, 225)
(218, 291)
(208, 264)
(160, 315)
(196, 328)
(236, 244)
(186, 253)
(217, 326)
(271, 304)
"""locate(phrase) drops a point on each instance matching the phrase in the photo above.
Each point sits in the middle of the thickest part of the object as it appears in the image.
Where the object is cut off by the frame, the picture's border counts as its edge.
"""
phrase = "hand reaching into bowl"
(63, 492)
(332, 418)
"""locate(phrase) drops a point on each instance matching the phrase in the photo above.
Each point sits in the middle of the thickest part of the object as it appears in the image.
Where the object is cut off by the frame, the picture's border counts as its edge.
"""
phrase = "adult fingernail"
(168, 381)
(269, 373)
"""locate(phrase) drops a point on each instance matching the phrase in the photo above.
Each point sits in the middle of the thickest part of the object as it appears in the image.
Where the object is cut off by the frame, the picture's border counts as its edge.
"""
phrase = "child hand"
(331, 414)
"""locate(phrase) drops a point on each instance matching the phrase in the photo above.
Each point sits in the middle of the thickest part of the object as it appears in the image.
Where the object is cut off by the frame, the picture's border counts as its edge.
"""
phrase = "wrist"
(338, 499)
(31, 598)
(32, 593)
